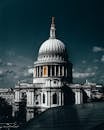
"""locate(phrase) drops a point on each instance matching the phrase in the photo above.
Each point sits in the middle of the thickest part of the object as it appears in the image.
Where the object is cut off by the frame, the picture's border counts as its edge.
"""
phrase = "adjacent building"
(7, 94)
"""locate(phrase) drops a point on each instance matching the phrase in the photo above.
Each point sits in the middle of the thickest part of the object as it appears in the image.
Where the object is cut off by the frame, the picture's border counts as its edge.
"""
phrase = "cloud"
(83, 74)
(9, 72)
(30, 71)
(97, 49)
(0, 61)
(84, 61)
(73, 70)
(1, 72)
(10, 53)
(10, 64)
(16, 77)
(6, 73)
(96, 67)
(96, 60)
(89, 69)
(14, 67)
(102, 58)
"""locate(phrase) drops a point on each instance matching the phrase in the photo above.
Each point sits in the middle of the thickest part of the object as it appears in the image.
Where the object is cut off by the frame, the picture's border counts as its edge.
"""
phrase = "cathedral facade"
(52, 79)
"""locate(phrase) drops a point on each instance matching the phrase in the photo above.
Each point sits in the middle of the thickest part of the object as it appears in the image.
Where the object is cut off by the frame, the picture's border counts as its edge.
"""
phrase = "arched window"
(55, 98)
(43, 98)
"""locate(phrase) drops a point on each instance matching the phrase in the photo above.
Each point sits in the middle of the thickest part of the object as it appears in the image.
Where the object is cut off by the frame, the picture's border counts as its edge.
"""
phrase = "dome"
(52, 49)
(52, 46)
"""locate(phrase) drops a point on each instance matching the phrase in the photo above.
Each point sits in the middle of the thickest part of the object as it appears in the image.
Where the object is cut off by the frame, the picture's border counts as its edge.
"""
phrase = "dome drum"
(52, 60)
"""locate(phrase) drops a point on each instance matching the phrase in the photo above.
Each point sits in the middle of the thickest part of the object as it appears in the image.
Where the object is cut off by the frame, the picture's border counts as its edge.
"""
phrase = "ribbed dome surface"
(50, 46)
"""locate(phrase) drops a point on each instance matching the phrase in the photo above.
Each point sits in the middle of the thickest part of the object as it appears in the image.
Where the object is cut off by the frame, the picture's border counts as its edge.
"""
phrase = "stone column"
(30, 98)
(58, 70)
(40, 99)
(50, 70)
(62, 70)
(48, 98)
(59, 98)
(30, 105)
(55, 70)
(62, 98)
(17, 96)
(36, 72)
(78, 97)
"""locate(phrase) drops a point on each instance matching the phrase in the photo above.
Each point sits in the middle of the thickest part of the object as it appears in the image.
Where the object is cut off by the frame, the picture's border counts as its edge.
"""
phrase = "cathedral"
(52, 79)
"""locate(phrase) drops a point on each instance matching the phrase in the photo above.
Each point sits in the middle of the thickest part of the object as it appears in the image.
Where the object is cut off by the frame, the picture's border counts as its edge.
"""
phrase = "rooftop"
(76, 117)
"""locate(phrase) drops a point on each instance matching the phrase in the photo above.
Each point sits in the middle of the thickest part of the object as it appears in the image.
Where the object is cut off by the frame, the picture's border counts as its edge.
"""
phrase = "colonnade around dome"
(50, 71)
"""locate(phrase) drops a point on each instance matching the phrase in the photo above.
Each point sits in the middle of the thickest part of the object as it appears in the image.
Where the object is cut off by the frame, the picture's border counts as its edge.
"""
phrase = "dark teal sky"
(24, 25)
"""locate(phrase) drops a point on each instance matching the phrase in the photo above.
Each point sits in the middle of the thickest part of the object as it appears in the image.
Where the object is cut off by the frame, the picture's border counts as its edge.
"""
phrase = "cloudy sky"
(24, 25)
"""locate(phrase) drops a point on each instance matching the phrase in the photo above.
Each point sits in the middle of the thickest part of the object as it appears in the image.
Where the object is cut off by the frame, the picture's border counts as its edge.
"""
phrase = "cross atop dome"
(52, 29)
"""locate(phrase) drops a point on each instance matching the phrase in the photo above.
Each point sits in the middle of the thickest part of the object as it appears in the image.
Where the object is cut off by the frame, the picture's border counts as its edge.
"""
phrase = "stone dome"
(52, 46)
(52, 49)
